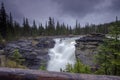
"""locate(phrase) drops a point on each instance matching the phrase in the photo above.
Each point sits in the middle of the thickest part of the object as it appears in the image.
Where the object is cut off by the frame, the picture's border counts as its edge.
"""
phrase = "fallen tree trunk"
(26, 74)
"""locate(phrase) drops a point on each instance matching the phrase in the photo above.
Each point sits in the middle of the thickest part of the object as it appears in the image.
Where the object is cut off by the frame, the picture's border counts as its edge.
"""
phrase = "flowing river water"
(62, 54)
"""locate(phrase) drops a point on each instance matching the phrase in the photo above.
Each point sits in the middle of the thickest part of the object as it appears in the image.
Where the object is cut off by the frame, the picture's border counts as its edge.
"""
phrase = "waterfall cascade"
(62, 54)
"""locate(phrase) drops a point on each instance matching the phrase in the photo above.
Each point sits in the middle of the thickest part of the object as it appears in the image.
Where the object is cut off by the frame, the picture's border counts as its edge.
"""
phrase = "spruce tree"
(3, 21)
(34, 29)
(41, 30)
(51, 26)
(10, 28)
(58, 29)
(109, 54)
(26, 27)
(18, 30)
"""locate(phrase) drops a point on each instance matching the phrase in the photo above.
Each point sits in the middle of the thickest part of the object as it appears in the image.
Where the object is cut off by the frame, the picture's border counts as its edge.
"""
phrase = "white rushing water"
(62, 54)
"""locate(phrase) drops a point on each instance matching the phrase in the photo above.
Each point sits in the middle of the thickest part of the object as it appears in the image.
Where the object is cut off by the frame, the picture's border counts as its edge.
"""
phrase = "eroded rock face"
(87, 47)
(45, 43)
(34, 51)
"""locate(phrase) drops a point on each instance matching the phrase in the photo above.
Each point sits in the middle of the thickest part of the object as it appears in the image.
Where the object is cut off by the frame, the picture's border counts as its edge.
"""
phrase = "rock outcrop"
(87, 47)
(34, 51)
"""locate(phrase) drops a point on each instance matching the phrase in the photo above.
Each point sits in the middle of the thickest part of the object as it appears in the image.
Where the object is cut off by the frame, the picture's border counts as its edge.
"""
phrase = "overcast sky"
(68, 11)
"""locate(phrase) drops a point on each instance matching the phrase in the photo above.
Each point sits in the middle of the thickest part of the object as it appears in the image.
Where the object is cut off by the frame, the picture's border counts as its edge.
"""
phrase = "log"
(27, 74)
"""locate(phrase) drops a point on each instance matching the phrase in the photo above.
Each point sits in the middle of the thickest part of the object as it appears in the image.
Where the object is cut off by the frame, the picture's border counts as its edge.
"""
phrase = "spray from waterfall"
(62, 54)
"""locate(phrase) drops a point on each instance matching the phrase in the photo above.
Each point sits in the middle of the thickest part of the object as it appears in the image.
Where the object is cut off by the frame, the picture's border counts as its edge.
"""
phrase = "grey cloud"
(91, 11)
(11, 7)
(39, 10)
(115, 6)
(81, 8)
(78, 7)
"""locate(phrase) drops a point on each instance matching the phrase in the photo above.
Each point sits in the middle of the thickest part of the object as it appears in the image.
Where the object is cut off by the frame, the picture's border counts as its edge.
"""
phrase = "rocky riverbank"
(34, 51)
(87, 47)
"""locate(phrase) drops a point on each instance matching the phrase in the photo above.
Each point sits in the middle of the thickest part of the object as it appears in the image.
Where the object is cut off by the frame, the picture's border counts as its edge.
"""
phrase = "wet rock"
(35, 53)
(46, 43)
(87, 47)
(31, 56)
(1, 52)
(24, 43)
(92, 38)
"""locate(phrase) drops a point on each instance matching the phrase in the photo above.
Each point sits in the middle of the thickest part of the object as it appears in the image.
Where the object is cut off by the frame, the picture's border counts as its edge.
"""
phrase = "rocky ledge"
(87, 47)
(34, 51)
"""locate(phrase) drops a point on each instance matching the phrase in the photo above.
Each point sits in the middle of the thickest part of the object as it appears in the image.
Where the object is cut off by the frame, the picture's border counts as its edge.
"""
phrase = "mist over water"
(62, 54)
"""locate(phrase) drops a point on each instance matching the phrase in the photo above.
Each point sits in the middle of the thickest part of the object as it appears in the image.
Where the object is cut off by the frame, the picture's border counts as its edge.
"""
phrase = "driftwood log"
(26, 74)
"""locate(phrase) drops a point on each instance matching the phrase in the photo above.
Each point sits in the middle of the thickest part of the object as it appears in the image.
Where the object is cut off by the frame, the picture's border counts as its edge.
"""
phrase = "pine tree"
(70, 30)
(10, 28)
(26, 27)
(3, 21)
(41, 29)
(63, 29)
(78, 68)
(17, 57)
(18, 30)
(109, 55)
(51, 26)
(58, 32)
(34, 29)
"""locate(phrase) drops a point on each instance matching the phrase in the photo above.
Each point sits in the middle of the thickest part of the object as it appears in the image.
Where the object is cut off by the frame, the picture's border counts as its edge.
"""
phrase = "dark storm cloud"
(39, 10)
(13, 8)
(85, 11)
(78, 7)
(81, 8)
(115, 7)
(89, 11)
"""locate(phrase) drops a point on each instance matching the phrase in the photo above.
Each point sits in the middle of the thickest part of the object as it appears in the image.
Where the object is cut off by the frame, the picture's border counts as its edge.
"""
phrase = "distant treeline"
(12, 29)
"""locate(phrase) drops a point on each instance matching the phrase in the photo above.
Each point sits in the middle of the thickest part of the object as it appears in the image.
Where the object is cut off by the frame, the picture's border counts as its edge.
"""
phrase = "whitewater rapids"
(62, 54)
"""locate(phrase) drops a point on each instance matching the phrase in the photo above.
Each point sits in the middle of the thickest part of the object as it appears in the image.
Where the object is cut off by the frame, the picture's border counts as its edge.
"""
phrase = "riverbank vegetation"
(108, 57)
(109, 54)
(15, 61)
(78, 68)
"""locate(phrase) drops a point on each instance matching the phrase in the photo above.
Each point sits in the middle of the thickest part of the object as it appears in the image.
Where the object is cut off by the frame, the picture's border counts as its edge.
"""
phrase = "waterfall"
(62, 54)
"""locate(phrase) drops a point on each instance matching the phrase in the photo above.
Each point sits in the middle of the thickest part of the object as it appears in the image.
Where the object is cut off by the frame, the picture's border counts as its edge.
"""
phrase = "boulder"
(92, 38)
(46, 43)
(1, 52)
(31, 56)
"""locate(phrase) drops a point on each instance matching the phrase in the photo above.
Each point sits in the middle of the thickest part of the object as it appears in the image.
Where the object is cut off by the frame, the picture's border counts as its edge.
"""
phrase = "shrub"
(78, 68)
(17, 57)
